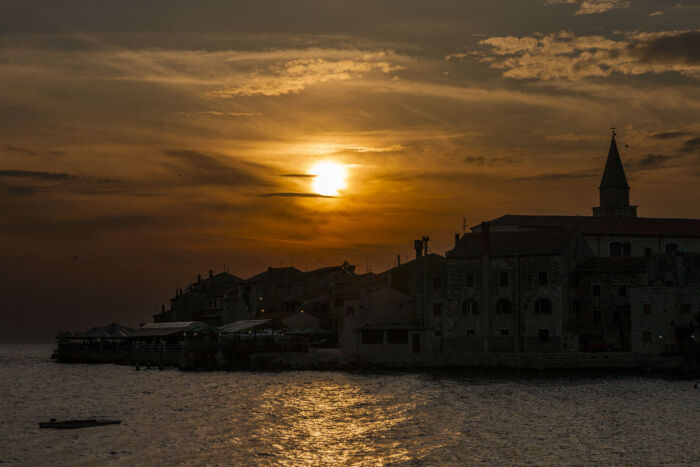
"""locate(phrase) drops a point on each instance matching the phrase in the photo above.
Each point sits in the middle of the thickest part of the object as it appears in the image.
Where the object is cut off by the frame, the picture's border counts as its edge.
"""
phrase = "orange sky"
(155, 142)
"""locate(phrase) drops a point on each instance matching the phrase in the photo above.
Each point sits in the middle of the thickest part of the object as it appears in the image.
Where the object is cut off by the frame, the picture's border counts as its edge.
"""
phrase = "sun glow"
(329, 178)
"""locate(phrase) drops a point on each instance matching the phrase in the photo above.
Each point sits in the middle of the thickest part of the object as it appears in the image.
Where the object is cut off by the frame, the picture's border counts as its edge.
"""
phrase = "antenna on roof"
(464, 225)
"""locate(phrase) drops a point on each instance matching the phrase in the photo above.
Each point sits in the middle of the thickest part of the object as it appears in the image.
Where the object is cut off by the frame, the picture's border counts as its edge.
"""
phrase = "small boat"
(71, 424)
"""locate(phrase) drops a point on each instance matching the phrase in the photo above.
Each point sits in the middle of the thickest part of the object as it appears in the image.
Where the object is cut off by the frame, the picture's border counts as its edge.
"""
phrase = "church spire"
(614, 174)
(613, 189)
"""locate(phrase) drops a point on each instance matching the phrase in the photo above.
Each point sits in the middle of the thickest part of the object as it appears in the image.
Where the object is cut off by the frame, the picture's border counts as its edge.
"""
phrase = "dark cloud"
(37, 175)
(691, 146)
(650, 161)
(672, 134)
(295, 195)
(478, 160)
(683, 47)
(555, 176)
(209, 170)
(31, 152)
(25, 151)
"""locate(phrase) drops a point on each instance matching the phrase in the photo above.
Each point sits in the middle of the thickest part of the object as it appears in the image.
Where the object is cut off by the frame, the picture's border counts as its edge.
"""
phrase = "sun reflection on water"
(330, 424)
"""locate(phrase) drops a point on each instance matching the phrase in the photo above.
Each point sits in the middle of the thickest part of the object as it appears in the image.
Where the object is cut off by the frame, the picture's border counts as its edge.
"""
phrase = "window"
(596, 290)
(397, 336)
(686, 308)
(646, 336)
(503, 279)
(437, 309)
(436, 283)
(470, 307)
(542, 278)
(371, 336)
(543, 305)
(505, 332)
(622, 290)
(338, 302)
(504, 306)
(647, 309)
(620, 249)
(438, 333)
(470, 280)
(471, 332)
(671, 248)
(596, 316)
(647, 251)
(626, 249)
(350, 311)
(616, 249)
(544, 335)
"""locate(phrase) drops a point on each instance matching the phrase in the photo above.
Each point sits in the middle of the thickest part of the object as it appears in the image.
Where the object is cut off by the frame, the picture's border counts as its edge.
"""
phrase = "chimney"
(211, 273)
(485, 237)
(456, 239)
(425, 245)
(162, 308)
(199, 278)
(398, 260)
(418, 246)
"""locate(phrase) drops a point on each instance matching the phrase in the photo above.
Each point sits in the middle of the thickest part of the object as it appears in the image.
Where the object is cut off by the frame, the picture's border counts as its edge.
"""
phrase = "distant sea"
(335, 418)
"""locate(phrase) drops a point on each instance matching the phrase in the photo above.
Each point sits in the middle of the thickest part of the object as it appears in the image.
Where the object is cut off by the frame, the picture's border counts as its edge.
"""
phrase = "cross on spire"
(613, 131)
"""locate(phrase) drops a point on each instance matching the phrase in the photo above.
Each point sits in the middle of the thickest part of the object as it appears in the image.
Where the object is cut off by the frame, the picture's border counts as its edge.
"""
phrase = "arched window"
(504, 306)
(470, 307)
(543, 305)
(616, 249)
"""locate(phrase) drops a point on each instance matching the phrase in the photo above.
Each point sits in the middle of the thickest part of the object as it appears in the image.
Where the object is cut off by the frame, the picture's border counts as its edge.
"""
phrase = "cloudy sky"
(142, 143)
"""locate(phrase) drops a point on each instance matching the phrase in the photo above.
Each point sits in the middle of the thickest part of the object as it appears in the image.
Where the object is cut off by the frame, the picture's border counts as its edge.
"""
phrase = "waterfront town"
(611, 290)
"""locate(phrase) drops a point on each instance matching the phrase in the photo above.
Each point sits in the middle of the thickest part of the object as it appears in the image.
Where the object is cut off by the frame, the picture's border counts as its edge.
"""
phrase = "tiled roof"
(644, 226)
(549, 242)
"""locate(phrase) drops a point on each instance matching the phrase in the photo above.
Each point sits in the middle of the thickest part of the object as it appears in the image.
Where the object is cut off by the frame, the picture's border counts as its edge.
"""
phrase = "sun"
(329, 178)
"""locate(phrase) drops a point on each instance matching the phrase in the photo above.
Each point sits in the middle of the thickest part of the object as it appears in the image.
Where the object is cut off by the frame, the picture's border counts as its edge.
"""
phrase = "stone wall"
(662, 315)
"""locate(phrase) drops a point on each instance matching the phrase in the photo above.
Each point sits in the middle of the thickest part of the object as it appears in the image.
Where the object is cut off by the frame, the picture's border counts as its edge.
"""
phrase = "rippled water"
(330, 418)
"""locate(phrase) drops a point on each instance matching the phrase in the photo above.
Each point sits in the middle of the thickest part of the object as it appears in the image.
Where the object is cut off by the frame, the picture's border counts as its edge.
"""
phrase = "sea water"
(339, 418)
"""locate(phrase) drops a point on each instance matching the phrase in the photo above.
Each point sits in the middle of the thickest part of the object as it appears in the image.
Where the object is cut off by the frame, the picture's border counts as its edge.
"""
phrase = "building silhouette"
(541, 285)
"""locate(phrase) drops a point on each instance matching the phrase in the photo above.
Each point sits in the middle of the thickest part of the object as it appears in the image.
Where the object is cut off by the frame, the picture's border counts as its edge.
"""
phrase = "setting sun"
(329, 178)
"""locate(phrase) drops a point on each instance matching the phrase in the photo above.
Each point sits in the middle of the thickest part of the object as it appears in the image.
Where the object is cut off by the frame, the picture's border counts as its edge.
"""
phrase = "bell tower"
(614, 190)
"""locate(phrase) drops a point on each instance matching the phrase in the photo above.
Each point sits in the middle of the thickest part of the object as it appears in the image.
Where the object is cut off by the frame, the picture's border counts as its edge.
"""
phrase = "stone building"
(512, 292)
(201, 301)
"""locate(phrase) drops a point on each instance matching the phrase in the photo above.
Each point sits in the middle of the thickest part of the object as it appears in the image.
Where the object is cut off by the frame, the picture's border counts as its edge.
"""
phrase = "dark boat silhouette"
(71, 424)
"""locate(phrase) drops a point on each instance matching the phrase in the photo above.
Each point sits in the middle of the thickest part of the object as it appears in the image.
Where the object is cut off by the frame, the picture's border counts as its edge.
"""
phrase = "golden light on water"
(329, 178)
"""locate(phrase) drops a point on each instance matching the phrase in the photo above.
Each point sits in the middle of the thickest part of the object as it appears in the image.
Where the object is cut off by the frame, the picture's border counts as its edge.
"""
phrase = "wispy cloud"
(295, 75)
(564, 56)
(571, 137)
(218, 113)
(589, 7)
(556, 176)
(650, 161)
(672, 134)
(295, 195)
(206, 169)
(37, 175)
(31, 152)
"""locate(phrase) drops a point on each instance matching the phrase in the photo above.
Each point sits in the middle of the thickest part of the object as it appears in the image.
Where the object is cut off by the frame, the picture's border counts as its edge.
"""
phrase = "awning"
(245, 325)
(166, 329)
